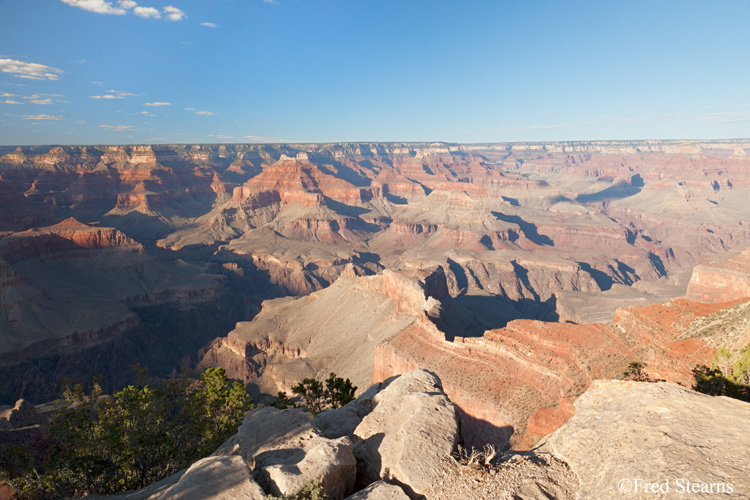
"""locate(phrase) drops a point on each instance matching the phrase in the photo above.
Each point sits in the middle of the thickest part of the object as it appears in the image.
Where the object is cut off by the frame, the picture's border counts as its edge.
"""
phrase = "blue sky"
(206, 71)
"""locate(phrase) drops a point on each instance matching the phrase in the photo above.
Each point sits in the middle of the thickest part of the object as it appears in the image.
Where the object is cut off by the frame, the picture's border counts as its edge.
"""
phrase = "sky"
(469, 71)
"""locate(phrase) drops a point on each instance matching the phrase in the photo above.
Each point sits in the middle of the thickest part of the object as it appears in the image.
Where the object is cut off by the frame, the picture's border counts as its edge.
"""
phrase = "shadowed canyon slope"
(170, 246)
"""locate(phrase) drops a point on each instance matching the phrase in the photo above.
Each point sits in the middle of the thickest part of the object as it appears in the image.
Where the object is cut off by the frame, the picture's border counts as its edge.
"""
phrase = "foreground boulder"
(636, 440)
(286, 451)
(412, 427)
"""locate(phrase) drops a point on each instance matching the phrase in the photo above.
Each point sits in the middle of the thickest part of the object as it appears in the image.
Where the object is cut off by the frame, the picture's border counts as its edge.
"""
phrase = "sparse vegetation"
(106, 445)
(312, 491)
(728, 375)
(476, 459)
(637, 371)
(283, 402)
(317, 396)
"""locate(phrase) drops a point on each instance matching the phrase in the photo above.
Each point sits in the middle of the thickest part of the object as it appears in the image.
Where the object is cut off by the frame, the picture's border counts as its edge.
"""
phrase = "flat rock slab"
(380, 490)
(215, 478)
(640, 440)
(412, 427)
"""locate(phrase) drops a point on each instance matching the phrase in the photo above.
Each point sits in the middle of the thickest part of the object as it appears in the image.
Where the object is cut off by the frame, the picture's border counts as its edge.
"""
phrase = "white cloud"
(41, 101)
(127, 4)
(210, 25)
(147, 12)
(174, 14)
(158, 104)
(189, 109)
(204, 113)
(98, 84)
(98, 6)
(41, 117)
(146, 113)
(6, 94)
(11, 101)
(32, 71)
(116, 128)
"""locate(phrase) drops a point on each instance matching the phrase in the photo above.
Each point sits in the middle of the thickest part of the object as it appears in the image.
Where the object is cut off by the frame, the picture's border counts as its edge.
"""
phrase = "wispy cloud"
(32, 71)
(725, 117)
(42, 117)
(98, 84)
(146, 113)
(112, 94)
(174, 14)
(209, 25)
(205, 113)
(11, 101)
(116, 128)
(157, 139)
(147, 12)
(41, 101)
(222, 137)
(158, 104)
(6, 94)
(263, 139)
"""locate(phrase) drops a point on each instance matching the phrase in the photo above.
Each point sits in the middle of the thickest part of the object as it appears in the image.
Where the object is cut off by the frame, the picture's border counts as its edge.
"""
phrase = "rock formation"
(278, 452)
(632, 440)
(721, 281)
(180, 242)
(626, 439)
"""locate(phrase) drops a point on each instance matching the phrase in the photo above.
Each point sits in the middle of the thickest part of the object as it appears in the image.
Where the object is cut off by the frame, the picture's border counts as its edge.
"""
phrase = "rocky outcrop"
(632, 440)
(515, 384)
(722, 281)
(332, 330)
(286, 451)
(401, 429)
(412, 427)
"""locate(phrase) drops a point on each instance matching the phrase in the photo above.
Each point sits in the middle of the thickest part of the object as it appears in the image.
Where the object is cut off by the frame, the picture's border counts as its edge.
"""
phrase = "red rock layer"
(721, 281)
(69, 235)
(521, 379)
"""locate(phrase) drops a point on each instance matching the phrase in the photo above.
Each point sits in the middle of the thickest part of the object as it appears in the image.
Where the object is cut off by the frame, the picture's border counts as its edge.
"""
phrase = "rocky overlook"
(396, 441)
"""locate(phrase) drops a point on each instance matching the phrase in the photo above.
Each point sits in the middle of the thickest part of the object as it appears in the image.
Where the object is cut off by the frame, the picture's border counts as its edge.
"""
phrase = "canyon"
(518, 273)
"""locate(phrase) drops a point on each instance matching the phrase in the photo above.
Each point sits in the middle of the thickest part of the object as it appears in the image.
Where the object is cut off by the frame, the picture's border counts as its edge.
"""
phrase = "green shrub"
(727, 376)
(106, 445)
(317, 396)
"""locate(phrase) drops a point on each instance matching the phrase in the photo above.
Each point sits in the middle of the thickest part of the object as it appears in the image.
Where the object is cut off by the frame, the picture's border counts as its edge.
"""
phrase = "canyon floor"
(518, 273)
